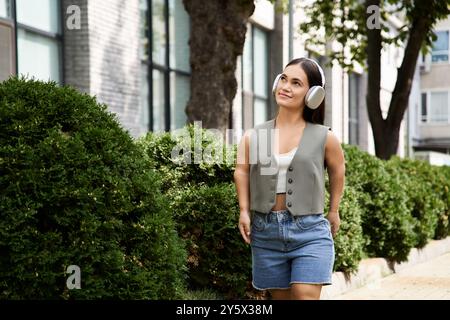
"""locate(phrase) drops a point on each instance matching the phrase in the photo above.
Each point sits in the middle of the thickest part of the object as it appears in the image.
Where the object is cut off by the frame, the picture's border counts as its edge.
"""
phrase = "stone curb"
(373, 269)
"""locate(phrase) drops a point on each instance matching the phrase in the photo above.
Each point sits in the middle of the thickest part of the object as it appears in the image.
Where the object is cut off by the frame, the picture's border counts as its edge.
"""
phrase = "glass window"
(259, 111)
(353, 108)
(5, 8)
(261, 62)
(158, 32)
(40, 14)
(155, 117)
(144, 109)
(158, 101)
(440, 47)
(424, 108)
(180, 93)
(248, 61)
(439, 107)
(179, 36)
(255, 76)
(31, 48)
(144, 31)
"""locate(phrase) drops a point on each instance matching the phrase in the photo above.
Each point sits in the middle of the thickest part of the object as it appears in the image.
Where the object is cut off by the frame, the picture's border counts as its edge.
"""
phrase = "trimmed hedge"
(388, 226)
(218, 257)
(204, 203)
(440, 178)
(349, 241)
(76, 190)
(199, 157)
(419, 178)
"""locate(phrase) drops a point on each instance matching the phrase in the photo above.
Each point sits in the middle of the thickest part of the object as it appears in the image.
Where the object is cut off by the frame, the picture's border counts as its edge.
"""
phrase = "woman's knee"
(280, 294)
(303, 291)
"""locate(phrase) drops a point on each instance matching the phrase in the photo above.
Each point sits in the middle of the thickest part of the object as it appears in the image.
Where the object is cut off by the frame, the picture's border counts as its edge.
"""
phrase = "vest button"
(291, 169)
(290, 180)
(289, 191)
(289, 204)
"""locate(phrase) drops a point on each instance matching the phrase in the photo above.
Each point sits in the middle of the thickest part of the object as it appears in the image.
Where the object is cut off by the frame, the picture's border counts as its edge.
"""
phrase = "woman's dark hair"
(314, 79)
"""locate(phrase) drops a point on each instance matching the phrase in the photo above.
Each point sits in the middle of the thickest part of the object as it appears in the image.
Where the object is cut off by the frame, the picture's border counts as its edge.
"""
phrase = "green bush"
(349, 241)
(441, 184)
(189, 165)
(419, 179)
(76, 190)
(205, 206)
(207, 219)
(387, 223)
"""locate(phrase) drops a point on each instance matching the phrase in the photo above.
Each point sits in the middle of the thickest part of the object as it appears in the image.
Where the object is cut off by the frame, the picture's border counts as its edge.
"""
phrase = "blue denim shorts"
(290, 249)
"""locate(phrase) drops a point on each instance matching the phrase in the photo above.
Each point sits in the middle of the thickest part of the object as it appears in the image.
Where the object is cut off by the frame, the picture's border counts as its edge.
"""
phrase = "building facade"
(431, 134)
(134, 56)
(31, 39)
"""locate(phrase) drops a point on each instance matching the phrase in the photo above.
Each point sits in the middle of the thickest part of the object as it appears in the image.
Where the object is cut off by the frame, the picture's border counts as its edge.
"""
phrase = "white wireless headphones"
(315, 94)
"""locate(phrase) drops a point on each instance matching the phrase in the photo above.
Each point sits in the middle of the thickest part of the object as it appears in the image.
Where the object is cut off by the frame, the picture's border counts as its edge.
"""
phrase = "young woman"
(279, 179)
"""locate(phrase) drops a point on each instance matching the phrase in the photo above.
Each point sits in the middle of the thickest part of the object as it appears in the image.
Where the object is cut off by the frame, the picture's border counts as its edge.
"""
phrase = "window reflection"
(179, 36)
(158, 32)
(40, 14)
(178, 100)
(169, 99)
(38, 39)
(5, 8)
(255, 77)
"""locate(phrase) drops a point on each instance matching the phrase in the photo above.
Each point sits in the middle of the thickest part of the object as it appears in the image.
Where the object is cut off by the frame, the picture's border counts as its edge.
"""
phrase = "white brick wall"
(103, 57)
(76, 49)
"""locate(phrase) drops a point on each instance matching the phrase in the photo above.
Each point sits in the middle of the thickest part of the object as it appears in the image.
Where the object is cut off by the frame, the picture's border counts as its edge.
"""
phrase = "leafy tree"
(352, 23)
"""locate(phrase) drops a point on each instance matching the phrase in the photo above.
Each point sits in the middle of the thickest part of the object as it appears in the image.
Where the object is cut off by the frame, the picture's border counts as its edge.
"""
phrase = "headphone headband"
(315, 95)
(322, 75)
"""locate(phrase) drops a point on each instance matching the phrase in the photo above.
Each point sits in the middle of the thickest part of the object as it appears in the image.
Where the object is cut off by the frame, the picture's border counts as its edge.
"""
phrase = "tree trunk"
(402, 90)
(218, 29)
(386, 131)
(373, 86)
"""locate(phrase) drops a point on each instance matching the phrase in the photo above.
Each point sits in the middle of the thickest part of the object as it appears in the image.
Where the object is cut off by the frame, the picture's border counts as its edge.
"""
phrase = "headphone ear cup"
(314, 97)
(275, 83)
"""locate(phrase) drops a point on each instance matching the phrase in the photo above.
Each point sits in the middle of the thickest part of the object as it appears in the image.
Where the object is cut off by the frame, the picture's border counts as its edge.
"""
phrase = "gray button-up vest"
(305, 185)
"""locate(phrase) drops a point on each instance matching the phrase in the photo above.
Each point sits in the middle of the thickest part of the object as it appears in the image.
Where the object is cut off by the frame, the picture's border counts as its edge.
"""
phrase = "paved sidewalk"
(425, 281)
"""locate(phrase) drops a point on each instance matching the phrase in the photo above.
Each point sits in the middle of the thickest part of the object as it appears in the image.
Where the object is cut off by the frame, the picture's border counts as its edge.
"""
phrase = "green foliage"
(376, 211)
(423, 192)
(387, 223)
(204, 202)
(190, 156)
(218, 257)
(349, 241)
(76, 190)
(345, 21)
(440, 177)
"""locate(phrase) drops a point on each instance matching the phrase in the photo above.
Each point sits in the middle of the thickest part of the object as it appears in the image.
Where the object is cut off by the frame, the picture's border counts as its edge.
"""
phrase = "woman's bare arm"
(334, 158)
(241, 180)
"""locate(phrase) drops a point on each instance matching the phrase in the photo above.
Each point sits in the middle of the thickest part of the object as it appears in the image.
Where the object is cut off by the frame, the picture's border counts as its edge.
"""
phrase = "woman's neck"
(289, 119)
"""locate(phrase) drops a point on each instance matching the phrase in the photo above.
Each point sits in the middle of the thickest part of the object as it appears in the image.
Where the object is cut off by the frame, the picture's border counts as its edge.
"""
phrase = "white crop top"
(283, 161)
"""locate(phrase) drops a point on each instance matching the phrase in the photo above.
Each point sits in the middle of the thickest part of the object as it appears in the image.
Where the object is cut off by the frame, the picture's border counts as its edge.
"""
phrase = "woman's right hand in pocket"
(244, 225)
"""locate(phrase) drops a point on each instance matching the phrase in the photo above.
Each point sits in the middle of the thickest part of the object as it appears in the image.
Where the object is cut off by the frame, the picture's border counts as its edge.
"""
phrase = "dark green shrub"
(76, 190)
(207, 219)
(214, 165)
(387, 223)
(441, 183)
(205, 207)
(349, 241)
(423, 193)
